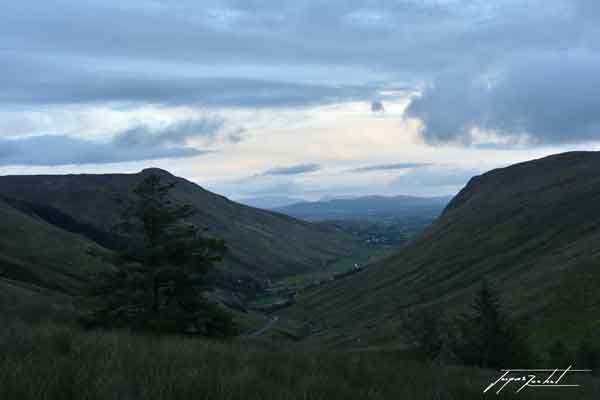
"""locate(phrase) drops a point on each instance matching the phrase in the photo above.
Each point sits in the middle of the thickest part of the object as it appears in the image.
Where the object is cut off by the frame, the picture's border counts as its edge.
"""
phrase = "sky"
(302, 98)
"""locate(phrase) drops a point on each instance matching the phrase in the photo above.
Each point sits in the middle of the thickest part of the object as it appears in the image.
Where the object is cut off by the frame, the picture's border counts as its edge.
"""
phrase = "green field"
(361, 256)
(300, 283)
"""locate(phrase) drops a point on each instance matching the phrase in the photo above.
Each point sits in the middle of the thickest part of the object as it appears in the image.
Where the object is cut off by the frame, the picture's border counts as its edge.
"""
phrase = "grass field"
(361, 256)
(298, 283)
(60, 362)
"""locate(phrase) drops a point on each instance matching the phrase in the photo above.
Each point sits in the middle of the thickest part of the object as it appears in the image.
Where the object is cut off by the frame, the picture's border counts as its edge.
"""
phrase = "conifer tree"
(487, 338)
(158, 282)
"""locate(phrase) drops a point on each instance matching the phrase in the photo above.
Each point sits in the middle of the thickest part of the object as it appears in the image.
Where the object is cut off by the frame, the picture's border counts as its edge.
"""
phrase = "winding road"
(266, 327)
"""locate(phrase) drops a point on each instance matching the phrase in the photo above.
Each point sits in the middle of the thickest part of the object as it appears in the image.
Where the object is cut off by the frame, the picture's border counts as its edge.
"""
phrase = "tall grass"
(61, 362)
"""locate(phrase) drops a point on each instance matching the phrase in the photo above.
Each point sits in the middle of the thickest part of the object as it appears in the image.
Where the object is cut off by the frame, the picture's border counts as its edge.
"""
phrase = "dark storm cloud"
(389, 167)
(546, 99)
(293, 169)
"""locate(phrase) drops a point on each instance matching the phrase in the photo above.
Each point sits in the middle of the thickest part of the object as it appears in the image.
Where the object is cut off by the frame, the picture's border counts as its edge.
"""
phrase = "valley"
(349, 285)
(530, 229)
(300, 200)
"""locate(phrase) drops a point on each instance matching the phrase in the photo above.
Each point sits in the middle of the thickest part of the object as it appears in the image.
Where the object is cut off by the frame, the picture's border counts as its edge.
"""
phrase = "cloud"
(293, 170)
(377, 106)
(389, 167)
(273, 188)
(52, 150)
(177, 133)
(37, 80)
(489, 74)
(538, 99)
(261, 54)
(140, 142)
(237, 135)
(433, 181)
(259, 185)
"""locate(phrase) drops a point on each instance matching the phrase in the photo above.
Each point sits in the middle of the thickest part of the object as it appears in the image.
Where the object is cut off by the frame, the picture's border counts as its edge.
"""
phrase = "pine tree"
(487, 338)
(158, 283)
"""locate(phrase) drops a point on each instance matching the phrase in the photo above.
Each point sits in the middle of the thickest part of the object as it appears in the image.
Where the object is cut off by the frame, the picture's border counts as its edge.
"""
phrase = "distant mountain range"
(532, 230)
(269, 202)
(367, 208)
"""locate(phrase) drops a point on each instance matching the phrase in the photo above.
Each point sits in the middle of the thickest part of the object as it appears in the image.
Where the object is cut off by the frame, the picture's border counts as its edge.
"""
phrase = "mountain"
(367, 208)
(35, 252)
(532, 230)
(269, 202)
(41, 264)
(337, 197)
(263, 244)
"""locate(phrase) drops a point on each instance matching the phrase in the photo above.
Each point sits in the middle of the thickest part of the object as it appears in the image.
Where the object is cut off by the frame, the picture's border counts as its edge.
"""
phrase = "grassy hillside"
(262, 243)
(41, 266)
(35, 252)
(532, 229)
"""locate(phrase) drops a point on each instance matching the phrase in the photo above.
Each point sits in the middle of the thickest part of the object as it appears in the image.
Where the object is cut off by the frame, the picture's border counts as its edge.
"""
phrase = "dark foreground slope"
(532, 230)
(262, 243)
(58, 363)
